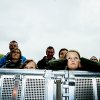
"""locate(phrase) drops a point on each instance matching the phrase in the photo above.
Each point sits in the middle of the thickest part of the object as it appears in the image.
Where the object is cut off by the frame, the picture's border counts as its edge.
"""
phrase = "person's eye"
(69, 58)
(61, 53)
(76, 57)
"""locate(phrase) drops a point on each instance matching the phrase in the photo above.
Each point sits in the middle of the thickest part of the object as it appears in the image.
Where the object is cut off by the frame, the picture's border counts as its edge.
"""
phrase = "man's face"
(62, 54)
(50, 53)
(93, 58)
(13, 45)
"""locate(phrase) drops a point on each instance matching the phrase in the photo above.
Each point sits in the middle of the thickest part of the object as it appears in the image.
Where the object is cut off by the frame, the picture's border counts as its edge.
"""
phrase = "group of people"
(68, 59)
(15, 59)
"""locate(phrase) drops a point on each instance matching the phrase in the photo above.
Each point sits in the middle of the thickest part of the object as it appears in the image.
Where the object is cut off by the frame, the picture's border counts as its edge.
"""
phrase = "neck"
(15, 60)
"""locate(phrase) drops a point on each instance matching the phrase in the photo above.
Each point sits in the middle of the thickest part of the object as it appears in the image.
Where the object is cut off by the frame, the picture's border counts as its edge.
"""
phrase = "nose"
(72, 59)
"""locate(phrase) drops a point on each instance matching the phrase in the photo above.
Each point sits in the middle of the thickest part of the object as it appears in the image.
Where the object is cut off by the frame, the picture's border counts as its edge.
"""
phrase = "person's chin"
(73, 67)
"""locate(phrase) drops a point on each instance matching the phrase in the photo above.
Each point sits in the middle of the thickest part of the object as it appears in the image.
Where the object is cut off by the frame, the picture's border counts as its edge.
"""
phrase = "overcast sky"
(37, 24)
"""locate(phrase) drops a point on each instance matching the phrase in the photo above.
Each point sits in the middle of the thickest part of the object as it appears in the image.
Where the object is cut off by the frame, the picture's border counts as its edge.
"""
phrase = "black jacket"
(89, 65)
(13, 65)
(58, 64)
(43, 63)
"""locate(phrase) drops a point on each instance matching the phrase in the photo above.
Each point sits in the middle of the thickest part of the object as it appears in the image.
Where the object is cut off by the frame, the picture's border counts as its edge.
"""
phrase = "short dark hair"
(50, 47)
(62, 50)
(13, 41)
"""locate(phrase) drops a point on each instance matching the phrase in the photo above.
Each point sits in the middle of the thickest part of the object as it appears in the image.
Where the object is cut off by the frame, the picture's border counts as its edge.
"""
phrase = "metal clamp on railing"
(48, 74)
(68, 86)
(58, 80)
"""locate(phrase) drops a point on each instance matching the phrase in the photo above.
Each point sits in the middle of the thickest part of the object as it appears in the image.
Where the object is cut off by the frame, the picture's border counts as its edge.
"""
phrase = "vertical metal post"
(71, 81)
(71, 89)
(95, 95)
(15, 88)
(58, 90)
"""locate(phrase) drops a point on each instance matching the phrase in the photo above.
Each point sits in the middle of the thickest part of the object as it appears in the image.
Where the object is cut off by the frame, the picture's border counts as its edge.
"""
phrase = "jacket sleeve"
(23, 59)
(2, 61)
(89, 65)
(58, 64)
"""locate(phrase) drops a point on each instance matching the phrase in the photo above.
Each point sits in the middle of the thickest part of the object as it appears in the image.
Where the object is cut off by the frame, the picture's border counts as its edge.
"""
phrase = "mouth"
(73, 64)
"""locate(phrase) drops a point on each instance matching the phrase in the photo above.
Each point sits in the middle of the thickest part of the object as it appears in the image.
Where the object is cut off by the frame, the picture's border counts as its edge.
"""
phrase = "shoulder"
(23, 58)
(90, 65)
(58, 64)
(43, 59)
